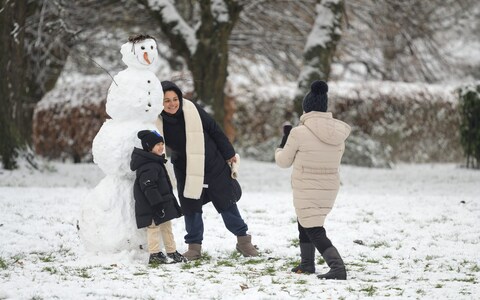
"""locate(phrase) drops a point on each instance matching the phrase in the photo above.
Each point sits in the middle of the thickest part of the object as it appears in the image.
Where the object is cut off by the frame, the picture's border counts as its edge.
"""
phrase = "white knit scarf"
(195, 148)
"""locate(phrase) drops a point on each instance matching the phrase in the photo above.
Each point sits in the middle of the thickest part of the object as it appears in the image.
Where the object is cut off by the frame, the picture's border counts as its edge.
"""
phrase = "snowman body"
(135, 98)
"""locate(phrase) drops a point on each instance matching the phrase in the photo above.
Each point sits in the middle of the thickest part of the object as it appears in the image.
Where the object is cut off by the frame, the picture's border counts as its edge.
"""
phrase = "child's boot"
(307, 264)
(194, 252)
(335, 262)
(157, 258)
(245, 247)
(176, 257)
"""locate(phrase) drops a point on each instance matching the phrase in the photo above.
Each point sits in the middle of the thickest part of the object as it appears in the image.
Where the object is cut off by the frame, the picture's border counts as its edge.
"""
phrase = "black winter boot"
(157, 259)
(335, 262)
(307, 264)
(176, 257)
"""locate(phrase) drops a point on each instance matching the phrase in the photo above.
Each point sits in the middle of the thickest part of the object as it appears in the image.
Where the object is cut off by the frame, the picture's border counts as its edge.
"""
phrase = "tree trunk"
(207, 55)
(318, 54)
(209, 63)
(13, 90)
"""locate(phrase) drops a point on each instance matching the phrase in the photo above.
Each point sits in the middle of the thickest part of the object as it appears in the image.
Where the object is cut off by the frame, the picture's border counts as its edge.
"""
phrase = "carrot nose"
(145, 57)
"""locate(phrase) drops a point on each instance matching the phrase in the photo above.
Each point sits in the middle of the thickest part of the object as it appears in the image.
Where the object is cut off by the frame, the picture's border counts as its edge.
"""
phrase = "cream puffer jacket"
(315, 149)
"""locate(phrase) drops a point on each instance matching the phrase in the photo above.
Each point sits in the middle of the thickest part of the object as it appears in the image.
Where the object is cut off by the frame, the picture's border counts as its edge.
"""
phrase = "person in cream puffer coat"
(315, 149)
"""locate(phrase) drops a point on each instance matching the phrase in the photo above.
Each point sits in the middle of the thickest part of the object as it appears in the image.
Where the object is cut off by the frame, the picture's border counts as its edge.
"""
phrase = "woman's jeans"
(231, 217)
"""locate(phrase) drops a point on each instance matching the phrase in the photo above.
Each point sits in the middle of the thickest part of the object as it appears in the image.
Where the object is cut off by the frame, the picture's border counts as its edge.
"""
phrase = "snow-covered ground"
(409, 232)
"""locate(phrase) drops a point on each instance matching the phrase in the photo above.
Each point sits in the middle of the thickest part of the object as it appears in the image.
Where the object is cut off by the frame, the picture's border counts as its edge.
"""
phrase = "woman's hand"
(232, 160)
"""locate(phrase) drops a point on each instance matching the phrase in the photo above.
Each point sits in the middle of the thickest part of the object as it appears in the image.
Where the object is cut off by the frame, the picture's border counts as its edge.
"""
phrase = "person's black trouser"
(315, 235)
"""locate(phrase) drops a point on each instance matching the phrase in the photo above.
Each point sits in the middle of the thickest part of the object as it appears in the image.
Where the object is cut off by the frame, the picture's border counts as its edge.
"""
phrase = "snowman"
(135, 98)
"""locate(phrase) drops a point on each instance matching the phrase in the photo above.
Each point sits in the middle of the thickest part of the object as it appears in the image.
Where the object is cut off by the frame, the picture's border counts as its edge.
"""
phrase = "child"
(155, 204)
(315, 149)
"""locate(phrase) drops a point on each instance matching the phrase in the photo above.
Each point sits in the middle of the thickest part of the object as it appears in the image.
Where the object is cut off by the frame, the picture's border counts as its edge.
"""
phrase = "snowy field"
(409, 232)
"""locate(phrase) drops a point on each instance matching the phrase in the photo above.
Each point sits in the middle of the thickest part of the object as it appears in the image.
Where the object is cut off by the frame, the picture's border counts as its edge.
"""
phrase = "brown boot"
(194, 252)
(244, 246)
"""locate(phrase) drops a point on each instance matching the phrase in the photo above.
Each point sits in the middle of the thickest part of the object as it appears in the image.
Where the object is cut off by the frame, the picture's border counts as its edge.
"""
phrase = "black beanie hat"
(149, 139)
(317, 98)
(170, 86)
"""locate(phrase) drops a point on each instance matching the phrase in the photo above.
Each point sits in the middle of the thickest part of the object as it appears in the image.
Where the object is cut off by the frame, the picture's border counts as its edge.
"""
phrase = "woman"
(315, 149)
(200, 154)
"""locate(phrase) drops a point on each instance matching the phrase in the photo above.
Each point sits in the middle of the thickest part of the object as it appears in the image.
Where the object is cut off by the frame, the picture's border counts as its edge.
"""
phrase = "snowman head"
(140, 52)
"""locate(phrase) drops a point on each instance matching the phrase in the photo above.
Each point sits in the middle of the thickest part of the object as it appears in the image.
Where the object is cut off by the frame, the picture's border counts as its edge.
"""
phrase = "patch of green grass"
(291, 263)
(187, 266)
(65, 251)
(355, 264)
(421, 292)
(350, 289)
(388, 256)
(139, 273)
(301, 281)
(469, 279)
(379, 244)
(47, 258)
(206, 257)
(225, 263)
(50, 270)
(254, 261)
(235, 255)
(3, 264)
(475, 268)
(373, 261)
(320, 261)
(370, 290)
(83, 273)
(295, 242)
(270, 270)
(154, 265)
(439, 286)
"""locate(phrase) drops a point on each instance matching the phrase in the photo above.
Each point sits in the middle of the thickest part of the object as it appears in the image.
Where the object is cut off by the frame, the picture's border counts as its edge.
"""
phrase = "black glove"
(159, 210)
(286, 131)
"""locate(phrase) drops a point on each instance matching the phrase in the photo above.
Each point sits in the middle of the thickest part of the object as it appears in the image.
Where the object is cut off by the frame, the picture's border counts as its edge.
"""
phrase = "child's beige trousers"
(157, 232)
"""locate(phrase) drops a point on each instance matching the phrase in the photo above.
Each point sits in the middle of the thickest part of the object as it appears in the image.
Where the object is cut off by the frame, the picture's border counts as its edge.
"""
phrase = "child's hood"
(327, 129)
(140, 157)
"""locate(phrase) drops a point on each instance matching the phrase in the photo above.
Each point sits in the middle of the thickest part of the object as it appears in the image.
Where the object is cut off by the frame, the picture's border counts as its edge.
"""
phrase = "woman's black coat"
(223, 191)
(152, 188)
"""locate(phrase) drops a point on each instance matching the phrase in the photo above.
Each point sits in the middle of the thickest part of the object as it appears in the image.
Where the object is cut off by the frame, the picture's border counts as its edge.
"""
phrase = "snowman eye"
(143, 48)
(151, 47)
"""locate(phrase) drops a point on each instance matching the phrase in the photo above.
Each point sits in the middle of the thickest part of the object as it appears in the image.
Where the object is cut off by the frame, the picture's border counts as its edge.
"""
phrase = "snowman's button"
(148, 81)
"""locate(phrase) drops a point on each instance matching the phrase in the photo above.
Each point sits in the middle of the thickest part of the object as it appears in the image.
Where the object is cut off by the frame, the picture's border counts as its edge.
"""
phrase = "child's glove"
(287, 127)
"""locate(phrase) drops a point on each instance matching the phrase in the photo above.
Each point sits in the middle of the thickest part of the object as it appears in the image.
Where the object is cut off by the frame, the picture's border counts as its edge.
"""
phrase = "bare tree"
(273, 31)
(12, 87)
(39, 36)
(202, 41)
(402, 40)
(320, 47)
